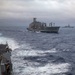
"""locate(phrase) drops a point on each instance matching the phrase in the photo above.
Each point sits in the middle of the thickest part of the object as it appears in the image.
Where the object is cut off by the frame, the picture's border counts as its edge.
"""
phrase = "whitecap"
(11, 42)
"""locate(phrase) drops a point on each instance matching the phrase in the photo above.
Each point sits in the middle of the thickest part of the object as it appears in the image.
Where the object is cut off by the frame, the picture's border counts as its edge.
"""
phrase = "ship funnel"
(34, 19)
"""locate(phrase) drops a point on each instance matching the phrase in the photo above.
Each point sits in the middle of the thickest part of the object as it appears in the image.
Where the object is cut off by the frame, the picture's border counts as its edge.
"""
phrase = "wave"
(11, 42)
(27, 61)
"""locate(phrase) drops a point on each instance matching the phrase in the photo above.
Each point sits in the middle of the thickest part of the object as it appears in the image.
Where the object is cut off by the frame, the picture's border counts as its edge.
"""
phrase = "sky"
(22, 12)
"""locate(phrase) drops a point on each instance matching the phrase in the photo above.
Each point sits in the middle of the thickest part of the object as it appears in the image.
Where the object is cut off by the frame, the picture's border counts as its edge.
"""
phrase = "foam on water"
(11, 42)
(48, 69)
(26, 50)
(25, 67)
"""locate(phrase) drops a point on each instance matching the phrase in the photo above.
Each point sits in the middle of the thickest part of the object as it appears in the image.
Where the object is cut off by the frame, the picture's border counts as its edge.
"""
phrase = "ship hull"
(51, 30)
(46, 30)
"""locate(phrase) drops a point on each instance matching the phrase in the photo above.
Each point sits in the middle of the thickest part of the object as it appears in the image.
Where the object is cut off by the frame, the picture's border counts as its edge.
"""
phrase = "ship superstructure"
(42, 27)
(5, 60)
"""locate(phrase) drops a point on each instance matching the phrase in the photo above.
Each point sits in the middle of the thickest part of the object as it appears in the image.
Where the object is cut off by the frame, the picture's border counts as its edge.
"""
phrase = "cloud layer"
(54, 10)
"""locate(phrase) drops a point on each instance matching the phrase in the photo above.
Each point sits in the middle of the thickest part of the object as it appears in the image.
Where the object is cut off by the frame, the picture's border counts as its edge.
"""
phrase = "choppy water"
(41, 53)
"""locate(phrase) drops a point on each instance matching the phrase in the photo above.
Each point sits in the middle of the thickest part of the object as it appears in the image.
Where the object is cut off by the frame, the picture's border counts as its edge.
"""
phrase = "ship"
(68, 26)
(36, 26)
(5, 60)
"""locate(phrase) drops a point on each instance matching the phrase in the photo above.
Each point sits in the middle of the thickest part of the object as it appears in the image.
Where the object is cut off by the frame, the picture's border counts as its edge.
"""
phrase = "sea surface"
(40, 53)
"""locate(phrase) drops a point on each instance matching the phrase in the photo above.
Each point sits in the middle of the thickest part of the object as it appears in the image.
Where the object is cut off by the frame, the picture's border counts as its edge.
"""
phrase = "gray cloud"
(45, 10)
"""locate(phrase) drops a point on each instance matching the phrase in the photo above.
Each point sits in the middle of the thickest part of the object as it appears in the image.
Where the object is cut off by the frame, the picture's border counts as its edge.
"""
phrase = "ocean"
(40, 53)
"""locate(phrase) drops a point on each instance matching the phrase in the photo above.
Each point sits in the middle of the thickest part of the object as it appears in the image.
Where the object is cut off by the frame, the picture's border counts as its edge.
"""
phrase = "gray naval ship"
(5, 60)
(36, 26)
(68, 26)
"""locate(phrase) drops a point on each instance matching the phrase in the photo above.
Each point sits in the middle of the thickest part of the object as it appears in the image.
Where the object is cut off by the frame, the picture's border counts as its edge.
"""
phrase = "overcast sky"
(21, 12)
